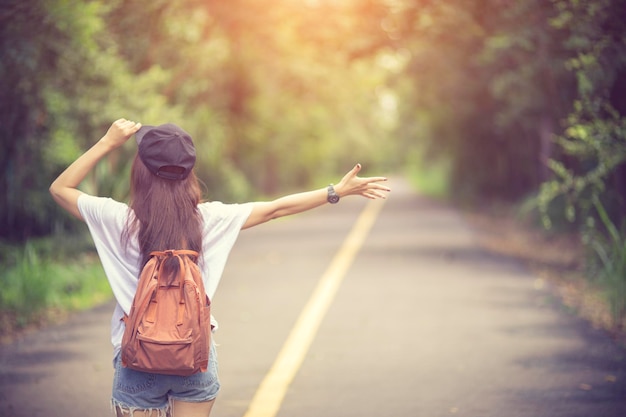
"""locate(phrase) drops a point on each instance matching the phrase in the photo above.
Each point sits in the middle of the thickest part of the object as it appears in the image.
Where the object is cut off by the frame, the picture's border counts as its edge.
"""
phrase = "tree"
(593, 142)
(62, 82)
(486, 91)
(41, 43)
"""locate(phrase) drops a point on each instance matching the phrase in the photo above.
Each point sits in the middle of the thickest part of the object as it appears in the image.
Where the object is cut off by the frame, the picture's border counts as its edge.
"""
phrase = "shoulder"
(92, 207)
(217, 209)
(216, 213)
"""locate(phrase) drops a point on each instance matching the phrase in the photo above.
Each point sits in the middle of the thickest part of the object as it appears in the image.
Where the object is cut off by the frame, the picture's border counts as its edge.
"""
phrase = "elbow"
(54, 191)
(275, 214)
(279, 212)
(59, 194)
(262, 213)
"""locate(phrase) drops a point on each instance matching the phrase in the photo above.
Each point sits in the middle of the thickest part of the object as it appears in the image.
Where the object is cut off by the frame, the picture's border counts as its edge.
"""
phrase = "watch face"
(333, 198)
(332, 195)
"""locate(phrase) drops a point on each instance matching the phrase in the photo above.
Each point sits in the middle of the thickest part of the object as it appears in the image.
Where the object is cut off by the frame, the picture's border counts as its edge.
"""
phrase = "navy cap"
(166, 150)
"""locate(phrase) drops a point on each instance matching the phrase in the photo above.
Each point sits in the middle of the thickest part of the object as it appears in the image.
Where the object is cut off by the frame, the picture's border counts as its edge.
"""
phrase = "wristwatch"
(333, 197)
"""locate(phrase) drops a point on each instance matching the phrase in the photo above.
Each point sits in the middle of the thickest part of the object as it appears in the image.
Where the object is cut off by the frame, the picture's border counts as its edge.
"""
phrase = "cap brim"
(142, 132)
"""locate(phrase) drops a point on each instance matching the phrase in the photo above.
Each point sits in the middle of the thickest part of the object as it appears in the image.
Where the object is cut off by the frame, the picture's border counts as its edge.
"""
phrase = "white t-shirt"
(106, 219)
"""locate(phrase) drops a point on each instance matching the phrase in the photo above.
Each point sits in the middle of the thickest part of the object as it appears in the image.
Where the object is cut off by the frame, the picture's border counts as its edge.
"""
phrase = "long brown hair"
(166, 212)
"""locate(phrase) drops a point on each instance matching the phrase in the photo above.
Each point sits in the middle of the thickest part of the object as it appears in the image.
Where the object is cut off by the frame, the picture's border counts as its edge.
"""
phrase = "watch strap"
(333, 197)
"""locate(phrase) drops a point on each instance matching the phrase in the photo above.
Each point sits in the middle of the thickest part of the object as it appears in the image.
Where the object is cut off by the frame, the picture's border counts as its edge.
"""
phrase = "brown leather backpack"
(168, 330)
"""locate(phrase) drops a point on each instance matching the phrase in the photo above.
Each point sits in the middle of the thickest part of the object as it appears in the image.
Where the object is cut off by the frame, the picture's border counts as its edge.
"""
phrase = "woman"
(165, 212)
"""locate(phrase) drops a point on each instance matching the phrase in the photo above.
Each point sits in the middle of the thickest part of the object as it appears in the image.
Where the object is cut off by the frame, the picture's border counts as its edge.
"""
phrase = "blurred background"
(480, 102)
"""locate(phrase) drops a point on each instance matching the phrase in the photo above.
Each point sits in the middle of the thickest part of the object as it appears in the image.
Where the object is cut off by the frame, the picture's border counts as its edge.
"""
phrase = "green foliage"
(275, 100)
(25, 287)
(609, 264)
(61, 84)
(598, 144)
(34, 282)
(590, 166)
(468, 96)
(593, 143)
(431, 178)
(31, 46)
(520, 96)
(483, 89)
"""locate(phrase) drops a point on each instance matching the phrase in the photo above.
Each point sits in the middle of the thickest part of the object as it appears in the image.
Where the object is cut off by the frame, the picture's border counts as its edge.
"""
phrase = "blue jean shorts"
(134, 390)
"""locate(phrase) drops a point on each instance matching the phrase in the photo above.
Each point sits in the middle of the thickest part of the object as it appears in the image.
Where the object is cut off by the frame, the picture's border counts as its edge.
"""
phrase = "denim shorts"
(134, 390)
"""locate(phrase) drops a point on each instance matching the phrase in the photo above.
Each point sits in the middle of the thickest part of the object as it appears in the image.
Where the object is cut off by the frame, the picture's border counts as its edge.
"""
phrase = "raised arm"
(350, 184)
(64, 189)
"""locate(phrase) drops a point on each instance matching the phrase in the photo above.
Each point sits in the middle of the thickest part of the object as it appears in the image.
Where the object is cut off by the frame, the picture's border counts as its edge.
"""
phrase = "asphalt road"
(424, 324)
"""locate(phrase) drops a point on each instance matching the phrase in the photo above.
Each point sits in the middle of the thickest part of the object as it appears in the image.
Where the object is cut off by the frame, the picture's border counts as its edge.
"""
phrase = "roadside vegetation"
(43, 280)
(518, 104)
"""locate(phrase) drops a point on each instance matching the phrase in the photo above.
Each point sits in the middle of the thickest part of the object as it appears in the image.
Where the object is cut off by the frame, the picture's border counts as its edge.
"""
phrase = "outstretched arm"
(350, 184)
(64, 189)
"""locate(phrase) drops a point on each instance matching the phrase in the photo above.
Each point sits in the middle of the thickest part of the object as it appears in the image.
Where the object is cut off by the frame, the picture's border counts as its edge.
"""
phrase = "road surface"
(417, 321)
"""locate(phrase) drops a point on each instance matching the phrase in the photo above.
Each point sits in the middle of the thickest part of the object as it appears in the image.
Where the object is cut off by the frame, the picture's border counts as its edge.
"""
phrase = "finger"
(133, 128)
(376, 195)
(131, 125)
(374, 188)
(120, 124)
(375, 179)
(380, 187)
(377, 190)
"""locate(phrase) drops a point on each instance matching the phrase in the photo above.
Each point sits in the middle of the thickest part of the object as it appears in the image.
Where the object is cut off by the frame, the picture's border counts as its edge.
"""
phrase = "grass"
(39, 288)
(610, 264)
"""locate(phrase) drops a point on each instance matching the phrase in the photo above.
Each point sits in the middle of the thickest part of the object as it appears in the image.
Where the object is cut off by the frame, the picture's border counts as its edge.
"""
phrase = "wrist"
(340, 189)
(106, 144)
(332, 196)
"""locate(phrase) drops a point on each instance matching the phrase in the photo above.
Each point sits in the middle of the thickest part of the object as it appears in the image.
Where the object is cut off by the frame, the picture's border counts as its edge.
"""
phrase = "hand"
(351, 184)
(119, 132)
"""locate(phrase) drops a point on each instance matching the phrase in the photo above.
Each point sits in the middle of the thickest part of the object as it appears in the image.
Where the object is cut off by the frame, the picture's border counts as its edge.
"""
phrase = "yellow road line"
(271, 392)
